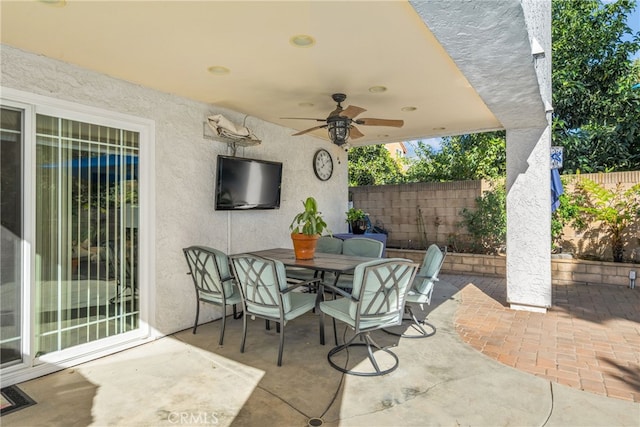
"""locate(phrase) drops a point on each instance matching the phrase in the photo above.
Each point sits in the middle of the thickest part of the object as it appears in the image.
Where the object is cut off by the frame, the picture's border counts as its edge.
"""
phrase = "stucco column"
(503, 47)
(528, 219)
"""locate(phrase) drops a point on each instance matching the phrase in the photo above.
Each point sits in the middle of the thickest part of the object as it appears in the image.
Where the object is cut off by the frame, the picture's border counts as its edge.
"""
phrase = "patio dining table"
(333, 263)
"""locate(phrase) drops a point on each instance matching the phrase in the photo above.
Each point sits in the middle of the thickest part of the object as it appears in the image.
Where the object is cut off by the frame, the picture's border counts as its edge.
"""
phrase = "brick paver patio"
(589, 339)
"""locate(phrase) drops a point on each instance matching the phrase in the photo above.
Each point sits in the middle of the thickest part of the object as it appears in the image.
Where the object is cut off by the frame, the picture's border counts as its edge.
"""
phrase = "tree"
(465, 157)
(373, 165)
(596, 110)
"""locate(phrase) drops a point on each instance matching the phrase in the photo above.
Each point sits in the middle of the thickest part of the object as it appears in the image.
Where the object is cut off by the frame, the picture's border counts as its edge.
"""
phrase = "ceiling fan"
(340, 122)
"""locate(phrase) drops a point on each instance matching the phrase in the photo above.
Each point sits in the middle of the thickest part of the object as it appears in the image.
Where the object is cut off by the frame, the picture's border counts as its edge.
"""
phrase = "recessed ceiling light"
(219, 70)
(408, 108)
(56, 3)
(383, 135)
(377, 89)
(305, 104)
(439, 128)
(302, 40)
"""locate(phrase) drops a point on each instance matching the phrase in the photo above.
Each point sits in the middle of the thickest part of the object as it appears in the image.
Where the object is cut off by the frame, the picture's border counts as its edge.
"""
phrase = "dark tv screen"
(247, 184)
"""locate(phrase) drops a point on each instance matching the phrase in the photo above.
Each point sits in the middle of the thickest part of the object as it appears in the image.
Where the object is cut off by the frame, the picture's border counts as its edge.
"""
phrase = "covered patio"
(158, 70)
(186, 379)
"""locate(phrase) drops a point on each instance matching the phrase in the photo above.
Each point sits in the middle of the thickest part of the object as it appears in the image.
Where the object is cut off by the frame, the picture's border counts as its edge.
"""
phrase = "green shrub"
(488, 223)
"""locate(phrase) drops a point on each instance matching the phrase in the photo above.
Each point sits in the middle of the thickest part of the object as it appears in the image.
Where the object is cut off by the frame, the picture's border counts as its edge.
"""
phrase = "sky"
(633, 22)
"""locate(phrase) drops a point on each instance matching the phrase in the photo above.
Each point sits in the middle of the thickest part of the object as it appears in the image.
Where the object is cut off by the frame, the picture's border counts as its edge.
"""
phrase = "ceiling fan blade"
(304, 118)
(310, 130)
(380, 122)
(354, 133)
(351, 111)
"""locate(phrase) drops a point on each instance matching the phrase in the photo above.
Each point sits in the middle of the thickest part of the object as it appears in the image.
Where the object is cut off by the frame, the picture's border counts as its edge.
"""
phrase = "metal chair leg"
(244, 333)
(321, 327)
(236, 315)
(195, 324)
(370, 344)
(224, 322)
(281, 347)
(416, 325)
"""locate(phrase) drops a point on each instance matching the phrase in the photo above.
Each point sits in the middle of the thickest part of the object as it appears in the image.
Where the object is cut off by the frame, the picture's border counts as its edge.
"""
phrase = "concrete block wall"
(589, 243)
(563, 271)
(396, 208)
(459, 263)
(572, 271)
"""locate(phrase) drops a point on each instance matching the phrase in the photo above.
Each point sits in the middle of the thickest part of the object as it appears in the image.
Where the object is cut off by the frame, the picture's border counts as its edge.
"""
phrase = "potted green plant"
(357, 219)
(306, 227)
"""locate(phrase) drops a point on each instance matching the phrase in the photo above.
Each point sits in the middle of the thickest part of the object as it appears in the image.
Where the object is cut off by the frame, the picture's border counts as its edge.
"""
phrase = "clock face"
(323, 165)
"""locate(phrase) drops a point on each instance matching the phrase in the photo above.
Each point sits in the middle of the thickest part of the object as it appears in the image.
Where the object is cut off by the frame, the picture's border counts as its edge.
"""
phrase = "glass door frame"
(27, 182)
(32, 366)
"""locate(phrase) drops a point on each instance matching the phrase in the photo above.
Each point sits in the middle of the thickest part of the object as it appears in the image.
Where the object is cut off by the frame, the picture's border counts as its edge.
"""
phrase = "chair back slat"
(209, 269)
(329, 245)
(380, 288)
(261, 281)
(362, 246)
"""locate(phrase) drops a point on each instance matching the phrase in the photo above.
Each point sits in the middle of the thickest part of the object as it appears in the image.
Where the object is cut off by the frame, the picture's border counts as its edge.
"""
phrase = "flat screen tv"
(247, 184)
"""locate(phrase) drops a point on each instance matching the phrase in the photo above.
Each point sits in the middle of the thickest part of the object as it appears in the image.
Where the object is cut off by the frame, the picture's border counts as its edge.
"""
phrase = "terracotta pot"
(304, 245)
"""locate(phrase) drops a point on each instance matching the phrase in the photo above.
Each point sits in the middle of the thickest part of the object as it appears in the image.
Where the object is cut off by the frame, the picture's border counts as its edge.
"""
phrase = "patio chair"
(267, 294)
(358, 246)
(327, 245)
(377, 301)
(422, 290)
(209, 269)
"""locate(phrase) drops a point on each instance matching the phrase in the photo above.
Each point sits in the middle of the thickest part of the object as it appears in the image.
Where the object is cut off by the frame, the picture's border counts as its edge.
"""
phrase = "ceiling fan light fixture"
(55, 3)
(338, 130)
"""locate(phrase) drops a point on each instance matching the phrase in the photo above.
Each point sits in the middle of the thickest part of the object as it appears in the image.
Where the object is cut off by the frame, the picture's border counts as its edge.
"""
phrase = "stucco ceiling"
(171, 45)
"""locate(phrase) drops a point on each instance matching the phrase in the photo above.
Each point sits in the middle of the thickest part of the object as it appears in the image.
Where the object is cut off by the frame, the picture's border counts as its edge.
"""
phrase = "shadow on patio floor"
(187, 379)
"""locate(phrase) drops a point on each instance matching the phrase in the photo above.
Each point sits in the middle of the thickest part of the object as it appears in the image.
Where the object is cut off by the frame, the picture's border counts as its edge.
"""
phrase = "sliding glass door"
(69, 276)
(11, 233)
(86, 232)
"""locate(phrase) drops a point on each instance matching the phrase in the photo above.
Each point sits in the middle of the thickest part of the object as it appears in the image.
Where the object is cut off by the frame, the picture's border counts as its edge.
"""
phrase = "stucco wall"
(184, 172)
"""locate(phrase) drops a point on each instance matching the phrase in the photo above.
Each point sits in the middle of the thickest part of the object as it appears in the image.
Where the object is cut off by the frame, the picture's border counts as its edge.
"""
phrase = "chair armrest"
(298, 283)
(338, 291)
(424, 276)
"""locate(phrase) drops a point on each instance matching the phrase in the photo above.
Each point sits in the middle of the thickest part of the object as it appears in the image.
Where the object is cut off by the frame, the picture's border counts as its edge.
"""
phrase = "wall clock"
(323, 164)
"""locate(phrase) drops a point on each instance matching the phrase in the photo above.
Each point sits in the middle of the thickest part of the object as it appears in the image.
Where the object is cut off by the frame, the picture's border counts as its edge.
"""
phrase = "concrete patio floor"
(187, 379)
